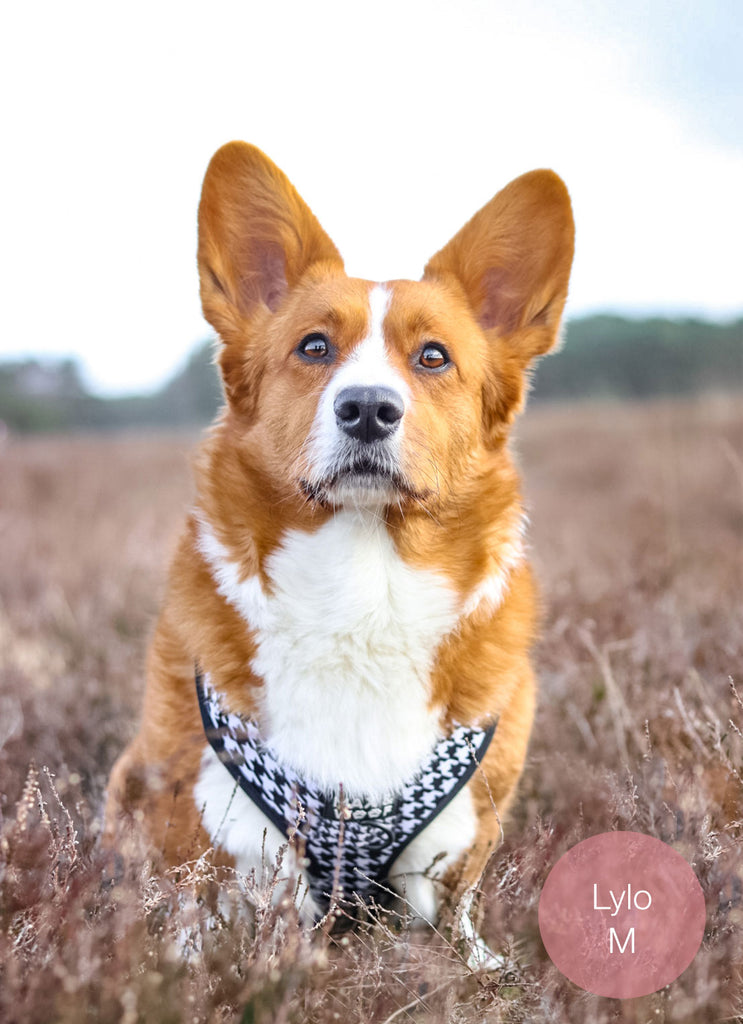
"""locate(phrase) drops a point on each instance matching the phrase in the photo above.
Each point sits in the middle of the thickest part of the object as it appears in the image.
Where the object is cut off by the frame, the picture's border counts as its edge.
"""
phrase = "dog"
(342, 661)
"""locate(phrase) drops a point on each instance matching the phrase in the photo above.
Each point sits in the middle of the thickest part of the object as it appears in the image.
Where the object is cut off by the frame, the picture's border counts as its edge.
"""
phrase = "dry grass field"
(637, 531)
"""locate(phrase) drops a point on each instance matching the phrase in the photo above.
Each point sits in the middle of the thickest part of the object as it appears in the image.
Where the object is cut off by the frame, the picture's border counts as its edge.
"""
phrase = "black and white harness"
(350, 844)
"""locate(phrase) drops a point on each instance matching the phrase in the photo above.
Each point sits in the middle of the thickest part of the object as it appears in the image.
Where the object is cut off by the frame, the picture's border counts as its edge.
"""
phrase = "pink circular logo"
(622, 915)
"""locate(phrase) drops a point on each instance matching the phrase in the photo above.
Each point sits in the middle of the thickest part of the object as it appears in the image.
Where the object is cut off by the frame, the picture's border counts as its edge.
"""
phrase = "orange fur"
(269, 276)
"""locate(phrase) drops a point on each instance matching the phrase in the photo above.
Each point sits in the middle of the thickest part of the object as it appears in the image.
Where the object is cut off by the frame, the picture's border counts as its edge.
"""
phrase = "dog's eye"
(314, 346)
(433, 357)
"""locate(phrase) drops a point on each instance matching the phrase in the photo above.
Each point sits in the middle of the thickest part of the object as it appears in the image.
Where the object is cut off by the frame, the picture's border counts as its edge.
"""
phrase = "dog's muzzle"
(360, 448)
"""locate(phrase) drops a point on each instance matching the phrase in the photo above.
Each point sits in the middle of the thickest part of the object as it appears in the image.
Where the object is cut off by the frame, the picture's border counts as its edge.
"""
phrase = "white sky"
(396, 120)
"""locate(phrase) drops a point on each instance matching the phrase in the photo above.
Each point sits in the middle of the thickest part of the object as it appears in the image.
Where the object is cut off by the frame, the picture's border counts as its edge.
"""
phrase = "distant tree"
(46, 394)
(195, 393)
(613, 356)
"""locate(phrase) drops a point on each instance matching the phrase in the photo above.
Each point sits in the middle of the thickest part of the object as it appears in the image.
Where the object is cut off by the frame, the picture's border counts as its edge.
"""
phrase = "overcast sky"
(396, 120)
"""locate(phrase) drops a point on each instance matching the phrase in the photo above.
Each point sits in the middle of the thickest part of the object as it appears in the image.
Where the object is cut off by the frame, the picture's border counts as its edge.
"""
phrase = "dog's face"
(370, 394)
(365, 394)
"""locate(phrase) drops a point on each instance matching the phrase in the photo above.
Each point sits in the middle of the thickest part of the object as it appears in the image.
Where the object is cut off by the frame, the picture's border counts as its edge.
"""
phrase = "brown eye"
(314, 347)
(433, 357)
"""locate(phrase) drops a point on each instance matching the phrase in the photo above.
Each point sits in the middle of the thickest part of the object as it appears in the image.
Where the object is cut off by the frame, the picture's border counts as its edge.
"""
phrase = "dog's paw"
(479, 956)
(482, 958)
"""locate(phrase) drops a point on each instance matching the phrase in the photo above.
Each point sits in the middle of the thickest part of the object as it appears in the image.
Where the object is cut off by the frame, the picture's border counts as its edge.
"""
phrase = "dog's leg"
(480, 956)
(237, 826)
(436, 859)
(418, 872)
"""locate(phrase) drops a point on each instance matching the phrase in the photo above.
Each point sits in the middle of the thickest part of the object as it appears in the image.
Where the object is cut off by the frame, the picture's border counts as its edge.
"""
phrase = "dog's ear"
(512, 262)
(257, 237)
(512, 259)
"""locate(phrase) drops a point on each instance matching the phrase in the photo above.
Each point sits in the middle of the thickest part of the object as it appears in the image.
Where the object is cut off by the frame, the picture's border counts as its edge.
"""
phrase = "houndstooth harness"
(350, 844)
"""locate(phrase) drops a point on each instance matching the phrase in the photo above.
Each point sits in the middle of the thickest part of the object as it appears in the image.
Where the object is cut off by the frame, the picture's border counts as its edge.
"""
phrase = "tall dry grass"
(637, 529)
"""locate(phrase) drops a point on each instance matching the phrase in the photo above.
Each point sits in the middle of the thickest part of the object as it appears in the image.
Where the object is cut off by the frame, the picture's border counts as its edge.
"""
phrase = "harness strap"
(374, 834)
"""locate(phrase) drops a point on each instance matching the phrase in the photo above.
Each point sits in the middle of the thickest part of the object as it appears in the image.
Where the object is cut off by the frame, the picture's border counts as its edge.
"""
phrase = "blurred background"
(396, 121)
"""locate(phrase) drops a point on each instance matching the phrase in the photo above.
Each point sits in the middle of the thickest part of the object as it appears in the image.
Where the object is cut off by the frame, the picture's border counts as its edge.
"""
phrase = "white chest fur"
(345, 644)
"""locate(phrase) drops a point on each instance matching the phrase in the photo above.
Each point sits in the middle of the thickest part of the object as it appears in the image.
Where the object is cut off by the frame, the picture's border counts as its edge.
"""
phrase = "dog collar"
(350, 844)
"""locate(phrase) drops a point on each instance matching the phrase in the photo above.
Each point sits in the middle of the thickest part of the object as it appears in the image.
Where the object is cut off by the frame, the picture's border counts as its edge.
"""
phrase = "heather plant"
(637, 534)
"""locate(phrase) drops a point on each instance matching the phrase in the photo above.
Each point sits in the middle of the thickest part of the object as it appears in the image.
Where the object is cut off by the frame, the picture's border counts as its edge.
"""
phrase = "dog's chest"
(346, 640)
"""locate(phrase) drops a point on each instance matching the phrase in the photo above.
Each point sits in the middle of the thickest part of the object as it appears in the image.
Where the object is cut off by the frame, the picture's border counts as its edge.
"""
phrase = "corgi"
(342, 661)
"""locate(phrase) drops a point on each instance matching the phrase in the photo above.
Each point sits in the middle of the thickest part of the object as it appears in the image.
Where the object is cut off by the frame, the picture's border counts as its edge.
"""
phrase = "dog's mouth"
(361, 476)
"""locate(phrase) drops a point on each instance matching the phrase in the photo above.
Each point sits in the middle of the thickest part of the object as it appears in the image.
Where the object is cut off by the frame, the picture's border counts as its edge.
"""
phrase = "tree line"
(602, 357)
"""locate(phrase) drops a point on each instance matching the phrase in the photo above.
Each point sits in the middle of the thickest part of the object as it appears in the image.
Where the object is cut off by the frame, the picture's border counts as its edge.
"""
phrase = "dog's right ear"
(257, 237)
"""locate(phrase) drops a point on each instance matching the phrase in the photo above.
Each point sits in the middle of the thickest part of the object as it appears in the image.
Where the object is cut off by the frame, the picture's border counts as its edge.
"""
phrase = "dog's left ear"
(512, 259)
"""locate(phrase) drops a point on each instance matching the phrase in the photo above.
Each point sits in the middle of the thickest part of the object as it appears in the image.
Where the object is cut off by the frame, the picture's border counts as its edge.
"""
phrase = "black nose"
(368, 413)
